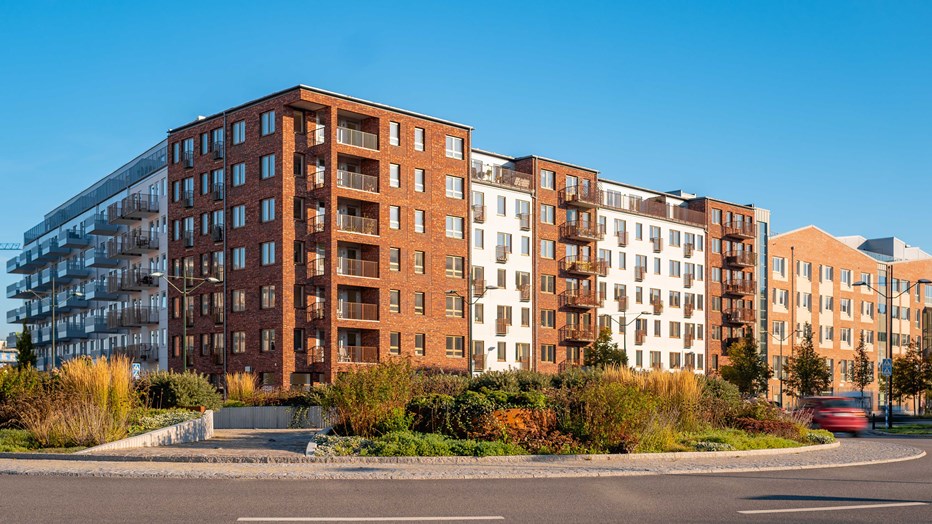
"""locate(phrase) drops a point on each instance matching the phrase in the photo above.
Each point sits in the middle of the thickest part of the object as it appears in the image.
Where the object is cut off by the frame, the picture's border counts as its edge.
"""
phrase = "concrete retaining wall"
(268, 417)
(189, 431)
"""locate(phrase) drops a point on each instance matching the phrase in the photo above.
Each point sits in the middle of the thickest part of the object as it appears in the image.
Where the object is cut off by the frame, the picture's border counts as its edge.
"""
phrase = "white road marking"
(369, 519)
(833, 508)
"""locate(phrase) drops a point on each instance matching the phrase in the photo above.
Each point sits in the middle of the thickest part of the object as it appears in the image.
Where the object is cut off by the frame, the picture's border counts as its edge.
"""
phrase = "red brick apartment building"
(328, 221)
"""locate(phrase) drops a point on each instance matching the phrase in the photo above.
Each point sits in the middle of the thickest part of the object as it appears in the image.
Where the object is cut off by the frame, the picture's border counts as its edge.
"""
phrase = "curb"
(201, 428)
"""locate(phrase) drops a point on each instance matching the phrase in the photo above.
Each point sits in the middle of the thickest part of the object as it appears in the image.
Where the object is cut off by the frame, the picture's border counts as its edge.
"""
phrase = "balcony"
(478, 362)
(187, 238)
(357, 138)
(316, 224)
(740, 258)
(582, 231)
(132, 244)
(657, 304)
(573, 333)
(501, 254)
(501, 326)
(99, 291)
(132, 316)
(18, 315)
(216, 233)
(133, 208)
(657, 242)
(316, 311)
(688, 341)
(218, 314)
(69, 302)
(39, 309)
(640, 336)
(585, 196)
(622, 238)
(142, 351)
(360, 225)
(42, 280)
(316, 355)
(584, 265)
(70, 331)
(478, 287)
(72, 270)
(216, 148)
(217, 192)
(744, 229)
(357, 311)
(739, 315)
(74, 239)
(357, 181)
(316, 135)
(316, 179)
(525, 290)
(358, 355)
(622, 303)
(639, 272)
(739, 287)
(524, 221)
(100, 324)
(478, 214)
(23, 264)
(688, 250)
(99, 225)
(569, 363)
(187, 159)
(187, 198)
(688, 280)
(501, 176)
(52, 250)
(100, 259)
(20, 289)
(584, 299)
(317, 267)
(352, 267)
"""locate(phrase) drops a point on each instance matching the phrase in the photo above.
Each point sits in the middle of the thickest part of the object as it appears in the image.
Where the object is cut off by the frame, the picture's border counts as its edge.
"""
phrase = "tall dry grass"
(241, 386)
(679, 393)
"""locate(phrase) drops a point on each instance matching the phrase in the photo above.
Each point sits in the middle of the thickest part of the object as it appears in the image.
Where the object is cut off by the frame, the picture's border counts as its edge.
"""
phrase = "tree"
(910, 375)
(862, 371)
(747, 368)
(604, 352)
(807, 374)
(27, 354)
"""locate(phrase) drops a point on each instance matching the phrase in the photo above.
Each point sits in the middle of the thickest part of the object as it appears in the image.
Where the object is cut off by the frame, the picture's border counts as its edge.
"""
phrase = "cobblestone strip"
(851, 452)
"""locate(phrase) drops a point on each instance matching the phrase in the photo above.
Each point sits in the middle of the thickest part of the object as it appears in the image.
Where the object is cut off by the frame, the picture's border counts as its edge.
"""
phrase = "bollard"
(873, 421)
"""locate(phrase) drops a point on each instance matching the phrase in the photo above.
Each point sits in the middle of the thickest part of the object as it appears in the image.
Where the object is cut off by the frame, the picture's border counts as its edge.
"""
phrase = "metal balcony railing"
(501, 176)
(572, 333)
(357, 181)
(688, 310)
(357, 311)
(739, 315)
(217, 191)
(501, 254)
(739, 287)
(316, 355)
(744, 229)
(316, 311)
(187, 159)
(622, 238)
(358, 354)
(217, 149)
(657, 305)
(187, 198)
(622, 303)
(578, 298)
(657, 243)
(525, 290)
(639, 272)
(688, 250)
(355, 137)
(316, 224)
(216, 232)
(524, 221)
(478, 214)
(741, 258)
(357, 268)
(581, 196)
(640, 336)
(584, 265)
(501, 326)
(688, 280)
(354, 224)
(582, 230)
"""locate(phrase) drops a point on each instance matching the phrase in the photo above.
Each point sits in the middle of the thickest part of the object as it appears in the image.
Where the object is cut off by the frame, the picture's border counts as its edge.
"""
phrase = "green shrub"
(146, 420)
(167, 389)
(411, 444)
(433, 413)
(737, 439)
(367, 400)
(778, 428)
(719, 401)
(533, 380)
(18, 385)
(473, 417)
(504, 381)
(819, 436)
(16, 441)
(613, 416)
(440, 384)
(575, 377)
(712, 446)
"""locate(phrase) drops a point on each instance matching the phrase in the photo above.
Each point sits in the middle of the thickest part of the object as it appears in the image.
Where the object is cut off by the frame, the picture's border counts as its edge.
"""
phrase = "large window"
(239, 342)
(239, 216)
(239, 257)
(454, 147)
(268, 166)
(268, 340)
(454, 266)
(454, 306)
(239, 301)
(454, 187)
(454, 227)
(239, 132)
(547, 179)
(454, 346)
(268, 122)
(267, 298)
(268, 253)
(239, 174)
(268, 210)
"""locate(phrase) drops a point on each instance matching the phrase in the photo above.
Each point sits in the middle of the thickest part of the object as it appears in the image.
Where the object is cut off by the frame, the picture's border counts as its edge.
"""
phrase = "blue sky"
(820, 111)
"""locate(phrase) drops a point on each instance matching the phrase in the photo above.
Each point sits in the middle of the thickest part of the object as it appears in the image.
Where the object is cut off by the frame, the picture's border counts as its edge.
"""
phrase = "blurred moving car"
(835, 414)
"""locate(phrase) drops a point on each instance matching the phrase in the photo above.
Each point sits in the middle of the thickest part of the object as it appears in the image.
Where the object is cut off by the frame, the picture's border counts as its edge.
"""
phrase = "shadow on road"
(816, 498)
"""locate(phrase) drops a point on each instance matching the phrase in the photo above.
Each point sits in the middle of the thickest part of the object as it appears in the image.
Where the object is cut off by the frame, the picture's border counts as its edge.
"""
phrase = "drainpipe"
(226, 303)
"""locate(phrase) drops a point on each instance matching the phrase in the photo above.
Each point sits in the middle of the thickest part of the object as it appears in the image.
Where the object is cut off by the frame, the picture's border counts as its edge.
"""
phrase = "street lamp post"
(783, 338)
(471, 300)
(623, 323)
(184, 290)
(889, 297)
(53, 305)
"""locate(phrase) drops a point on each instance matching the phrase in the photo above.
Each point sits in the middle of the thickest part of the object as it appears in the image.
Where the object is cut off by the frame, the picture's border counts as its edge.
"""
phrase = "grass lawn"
(910, 429)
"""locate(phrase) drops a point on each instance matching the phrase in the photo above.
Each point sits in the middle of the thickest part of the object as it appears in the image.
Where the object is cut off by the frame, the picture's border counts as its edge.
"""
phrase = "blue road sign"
(886, 367)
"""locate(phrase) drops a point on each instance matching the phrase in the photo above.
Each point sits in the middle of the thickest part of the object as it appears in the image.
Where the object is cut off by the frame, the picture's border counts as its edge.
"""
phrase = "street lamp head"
(860, 283)
(213, 280)
(924, 281)
(487, 288)
(77, 294)
(452, 292)
(157, 274)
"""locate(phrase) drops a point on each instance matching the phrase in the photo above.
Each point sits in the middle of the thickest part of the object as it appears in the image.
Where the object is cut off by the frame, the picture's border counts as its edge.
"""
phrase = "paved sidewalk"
(849, 453)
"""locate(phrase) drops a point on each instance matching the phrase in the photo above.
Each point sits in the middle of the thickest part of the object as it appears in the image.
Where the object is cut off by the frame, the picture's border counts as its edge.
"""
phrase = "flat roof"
(567, 164)
(322, 92)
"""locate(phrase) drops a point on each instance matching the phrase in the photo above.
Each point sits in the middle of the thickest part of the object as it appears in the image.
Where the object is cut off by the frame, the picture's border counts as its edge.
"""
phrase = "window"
(846, 277)
(418, 303)
(454, 266)
(419, 141)
(454, 227)
(268, 210)
(394, 343)
(454, 147)
(394, 259)
(547, 249)
(804, 269)
(394, 217)
(478, 239)
(454, 187)
(548, 284)
(268, 122)
(419, 180)
(716, 216)
(419, 344)
(394, 301)
(268, 166)
(239, 132)
(547, 215)
(267, 297)
(548, 318)
(419, 262)
(239, 174)
(780, 297)
(239, 257)
(502, 278)
(239, 300)
(394, 133)
(547, 179)
(779, 266)
(638, 231)
(239, 342)
(268, 340)
(299, 209)
(268, 253)
(501, 207)
(454, 306)
(454, 346)
(239, 216)
(525, 246)
(716, 245)
(418, 221)
(479, 314)
(394, 175)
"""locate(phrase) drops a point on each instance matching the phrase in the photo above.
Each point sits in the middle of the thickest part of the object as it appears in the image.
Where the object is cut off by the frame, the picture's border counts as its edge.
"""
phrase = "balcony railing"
(584, 265)
(501, 326)
(132, 208)
(216, 233)
(688, 310)
(187, 198)
(622, 238)
(569, 363)
(133, 279)
(188, 238)
(657, 305)
(357, 311)
(741, 258)
(187, 159)
(524, 220)
(501, 176)
(657, 243)
(639, 272)
(216, 148)
(354, 224)
(478, 214)
(578, 298)
(688, 250)
(739, 315)
(133, 243)
(317, 267)
(357, 268)
(688, 341)
(316, 179)
(501, 254)
(141, 351)
(355, 137)
(358, 354)
(572, 333)
(640, 336)
(357, 181)
(478, 287)
(316, 311)
(218, 192)
(132, 316)
(525, 290)
(316, 135)
(622, 303)
(688, 280)
(316, 355)
(739, 287)
(581, 196)
(651, 207)
(478, 362)
(581, 230)
(316, 224)
(744, 229)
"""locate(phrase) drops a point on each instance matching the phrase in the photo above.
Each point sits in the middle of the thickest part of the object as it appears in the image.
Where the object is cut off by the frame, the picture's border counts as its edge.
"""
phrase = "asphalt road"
(896, 492)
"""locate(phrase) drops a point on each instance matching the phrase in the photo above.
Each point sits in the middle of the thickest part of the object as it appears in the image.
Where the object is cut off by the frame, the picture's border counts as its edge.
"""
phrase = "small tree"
(26, 356)
(807, 374)
(747, 368)
(910, 375)
(862, 372)
(605, 352)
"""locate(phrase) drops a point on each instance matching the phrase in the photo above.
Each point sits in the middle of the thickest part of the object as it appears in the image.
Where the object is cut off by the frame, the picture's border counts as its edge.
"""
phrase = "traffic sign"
(137, 369)
(886, 367)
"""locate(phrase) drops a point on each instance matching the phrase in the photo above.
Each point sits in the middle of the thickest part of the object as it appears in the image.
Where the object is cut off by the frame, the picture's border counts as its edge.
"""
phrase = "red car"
(835, 414)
